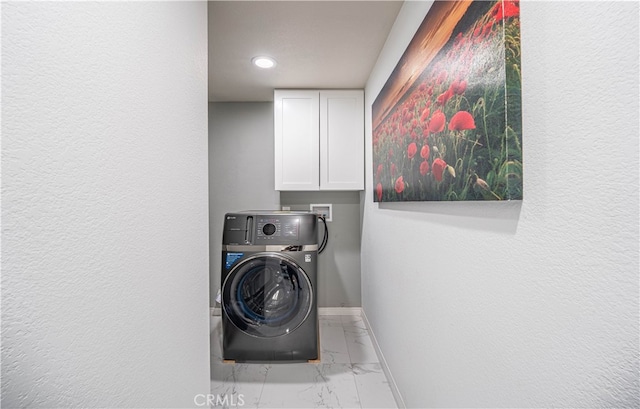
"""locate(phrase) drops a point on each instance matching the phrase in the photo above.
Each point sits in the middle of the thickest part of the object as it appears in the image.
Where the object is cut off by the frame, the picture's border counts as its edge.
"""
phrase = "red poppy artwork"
(450, 113)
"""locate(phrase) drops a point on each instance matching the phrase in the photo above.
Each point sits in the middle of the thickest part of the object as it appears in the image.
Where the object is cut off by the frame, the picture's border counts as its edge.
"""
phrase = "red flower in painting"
(379, 171)
(487, 29)
(424, 167)
(458, 87)
(462, 87)
(438, 168)
(505, 9)
(461, 121)
(453, 87)
(425, 114)
(458, 39)
(437, 122)
(393, 169)
(379, 191)
(399, 185)
(444, 97)
(408, 115)
(424, 152)
(411, 150)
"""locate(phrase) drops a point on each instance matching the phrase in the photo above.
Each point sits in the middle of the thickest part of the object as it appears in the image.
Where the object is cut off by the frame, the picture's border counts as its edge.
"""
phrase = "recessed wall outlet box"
(322, 210)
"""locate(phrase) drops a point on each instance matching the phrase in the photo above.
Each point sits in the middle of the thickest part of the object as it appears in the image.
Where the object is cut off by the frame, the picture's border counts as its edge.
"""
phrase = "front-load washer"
(269, 276)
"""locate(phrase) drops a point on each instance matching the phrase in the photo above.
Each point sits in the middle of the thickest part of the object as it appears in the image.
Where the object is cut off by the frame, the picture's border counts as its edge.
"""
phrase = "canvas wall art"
(447, 124)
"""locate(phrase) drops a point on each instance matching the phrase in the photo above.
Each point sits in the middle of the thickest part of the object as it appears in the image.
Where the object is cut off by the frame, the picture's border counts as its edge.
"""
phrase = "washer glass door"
(267, 295)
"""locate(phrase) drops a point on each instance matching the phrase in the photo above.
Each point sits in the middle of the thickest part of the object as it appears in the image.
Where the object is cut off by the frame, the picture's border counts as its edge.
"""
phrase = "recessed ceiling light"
(263, 62)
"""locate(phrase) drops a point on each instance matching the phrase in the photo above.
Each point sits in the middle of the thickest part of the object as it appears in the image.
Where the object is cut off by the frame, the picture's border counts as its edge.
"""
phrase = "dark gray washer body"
(269, 279)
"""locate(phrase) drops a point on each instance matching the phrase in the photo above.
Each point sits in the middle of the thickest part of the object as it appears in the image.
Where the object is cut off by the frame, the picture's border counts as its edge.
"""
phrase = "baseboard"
(340, 311)
(383, 363)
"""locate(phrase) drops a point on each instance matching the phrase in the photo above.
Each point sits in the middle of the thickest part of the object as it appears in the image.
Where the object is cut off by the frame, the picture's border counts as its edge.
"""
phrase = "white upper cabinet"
(342, 140)
(319, 139)
(297, 152)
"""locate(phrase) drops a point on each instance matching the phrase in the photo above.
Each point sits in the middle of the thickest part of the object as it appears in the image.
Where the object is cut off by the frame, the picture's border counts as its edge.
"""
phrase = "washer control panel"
(272, 228)
(277, 228)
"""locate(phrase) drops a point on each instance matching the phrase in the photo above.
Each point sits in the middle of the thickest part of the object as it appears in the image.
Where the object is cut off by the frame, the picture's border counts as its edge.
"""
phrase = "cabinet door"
(296, 139)
(342, 140)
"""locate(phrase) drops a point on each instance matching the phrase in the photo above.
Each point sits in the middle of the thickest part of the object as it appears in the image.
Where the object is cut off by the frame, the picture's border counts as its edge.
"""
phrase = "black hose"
(325, 237)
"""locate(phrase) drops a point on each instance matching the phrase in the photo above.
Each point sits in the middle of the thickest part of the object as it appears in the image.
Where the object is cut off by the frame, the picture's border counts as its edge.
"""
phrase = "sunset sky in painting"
(433, 33)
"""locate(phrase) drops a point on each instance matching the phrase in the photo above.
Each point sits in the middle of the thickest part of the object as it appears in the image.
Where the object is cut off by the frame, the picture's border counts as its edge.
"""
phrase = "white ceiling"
(317, 44)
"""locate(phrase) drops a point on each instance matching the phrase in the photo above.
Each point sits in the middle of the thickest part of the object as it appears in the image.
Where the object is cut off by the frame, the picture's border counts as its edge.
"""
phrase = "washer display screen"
(272, 227)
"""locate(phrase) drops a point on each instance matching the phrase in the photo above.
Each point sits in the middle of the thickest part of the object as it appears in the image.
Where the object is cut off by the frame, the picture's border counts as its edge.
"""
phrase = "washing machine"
(268, 293)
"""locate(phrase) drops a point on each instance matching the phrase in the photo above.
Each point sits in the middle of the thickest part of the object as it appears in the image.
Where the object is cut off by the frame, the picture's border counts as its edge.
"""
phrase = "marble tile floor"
(349, 374)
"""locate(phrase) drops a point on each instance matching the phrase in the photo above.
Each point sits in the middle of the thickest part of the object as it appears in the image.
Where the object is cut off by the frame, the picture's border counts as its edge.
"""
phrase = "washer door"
(267, 295)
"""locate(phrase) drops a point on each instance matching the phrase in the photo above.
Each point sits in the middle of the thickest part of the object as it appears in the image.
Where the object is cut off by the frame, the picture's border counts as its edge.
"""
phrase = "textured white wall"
(532, 303)
(104, 204)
